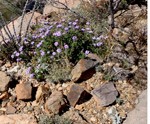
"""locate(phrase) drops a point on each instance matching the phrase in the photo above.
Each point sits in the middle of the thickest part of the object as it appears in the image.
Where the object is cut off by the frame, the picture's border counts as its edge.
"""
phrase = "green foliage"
(56, 46)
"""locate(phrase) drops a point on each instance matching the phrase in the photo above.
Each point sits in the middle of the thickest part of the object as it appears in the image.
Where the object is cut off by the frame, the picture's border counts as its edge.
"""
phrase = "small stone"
(4, 96)
(93, 119)
(77, 94)
(10, 110)
(4, 81)
(84, 70)
(14, 69)
(18, 119)
(24, 91)
(64, 85)
(79, 107)
(56, 103)
(39, 93)
(105, 95)
(7, 65)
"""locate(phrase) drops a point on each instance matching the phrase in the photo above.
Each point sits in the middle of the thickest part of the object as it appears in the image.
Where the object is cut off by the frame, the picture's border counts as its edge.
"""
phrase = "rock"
(4, 96)
(10, 110)
(75, 116)
(17, 24)
(14, 69)
(56, 103)
(139, 114)
(39, 93)
(94, 57)
(77, 95)
(55, 7)
(4, 81)
(24, 91)
(83, 70)
(106, 94)
(18, 119)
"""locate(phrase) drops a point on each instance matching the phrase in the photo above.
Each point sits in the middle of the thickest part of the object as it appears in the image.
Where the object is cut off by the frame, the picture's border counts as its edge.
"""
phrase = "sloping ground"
(125, 66)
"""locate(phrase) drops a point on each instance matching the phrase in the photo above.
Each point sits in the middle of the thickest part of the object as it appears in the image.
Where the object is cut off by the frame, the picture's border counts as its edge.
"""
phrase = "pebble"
(93, 119)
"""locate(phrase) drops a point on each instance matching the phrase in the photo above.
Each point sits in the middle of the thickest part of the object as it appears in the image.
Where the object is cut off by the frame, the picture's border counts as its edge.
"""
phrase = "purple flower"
(32, 42)
(42, 53)
(28, 70)
(76, 20)
(17, 54)
(32, 75)
(66, 46)
(21, 48)
(18, 59)
(99, 44)
(38, 45)
(54, 53)
(59, 25)
(58, 50)
(12, 56)
(74, 38)
(66, 28)
(47, 32)
(87, 52)
(74, 23)
(56, 43)
(87, 23)
(82, 29)
(77, 27)
(70, 23)
(58, 33)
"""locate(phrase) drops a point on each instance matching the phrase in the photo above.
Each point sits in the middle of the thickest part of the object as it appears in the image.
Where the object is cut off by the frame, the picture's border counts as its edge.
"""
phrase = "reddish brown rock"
(77, 95)
(105, 95)
(84, 70)
(4, 81)
(17, 119)
(24, 91)
(56, 103)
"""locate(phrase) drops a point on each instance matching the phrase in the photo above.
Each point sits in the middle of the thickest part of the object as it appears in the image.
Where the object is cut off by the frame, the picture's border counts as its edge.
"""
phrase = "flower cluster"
(53, 42)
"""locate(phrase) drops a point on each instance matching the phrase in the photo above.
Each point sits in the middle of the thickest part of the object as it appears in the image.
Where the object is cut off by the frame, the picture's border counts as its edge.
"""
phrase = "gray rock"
(84, 70)
(56, 103)
(4, 81)
(139, 114)
(10, 110)
(77, 95)
(105, 94)
(24, 91)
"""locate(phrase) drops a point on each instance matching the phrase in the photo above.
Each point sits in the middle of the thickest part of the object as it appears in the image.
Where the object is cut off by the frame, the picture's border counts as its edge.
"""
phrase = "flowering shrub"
(53, 47)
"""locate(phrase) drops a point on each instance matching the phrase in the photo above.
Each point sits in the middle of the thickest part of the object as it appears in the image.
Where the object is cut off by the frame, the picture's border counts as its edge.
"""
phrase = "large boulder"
(17, 24)
(139, 114)
(61, 4)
